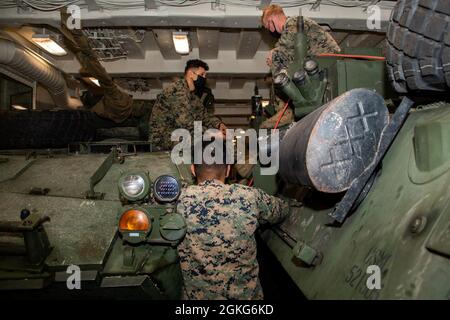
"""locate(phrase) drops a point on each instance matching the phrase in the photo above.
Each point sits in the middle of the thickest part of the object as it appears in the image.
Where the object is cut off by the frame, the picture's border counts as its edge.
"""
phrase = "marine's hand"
(223, 129)
(269, 57)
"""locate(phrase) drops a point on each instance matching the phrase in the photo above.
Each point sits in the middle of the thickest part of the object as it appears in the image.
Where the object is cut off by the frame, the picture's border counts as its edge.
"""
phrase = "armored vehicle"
(366, 169)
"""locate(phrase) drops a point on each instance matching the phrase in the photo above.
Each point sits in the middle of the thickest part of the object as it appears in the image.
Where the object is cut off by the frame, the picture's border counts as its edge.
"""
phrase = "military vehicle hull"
(83, 231)
(402, 226)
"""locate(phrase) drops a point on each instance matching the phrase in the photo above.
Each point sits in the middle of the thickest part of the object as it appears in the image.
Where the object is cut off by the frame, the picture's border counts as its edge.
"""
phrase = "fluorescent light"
(94, 81)
(18, 107)
(181, 42)
(48, 44)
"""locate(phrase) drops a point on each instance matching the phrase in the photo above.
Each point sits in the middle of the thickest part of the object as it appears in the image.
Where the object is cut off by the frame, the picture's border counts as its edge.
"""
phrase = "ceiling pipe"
(25, 63)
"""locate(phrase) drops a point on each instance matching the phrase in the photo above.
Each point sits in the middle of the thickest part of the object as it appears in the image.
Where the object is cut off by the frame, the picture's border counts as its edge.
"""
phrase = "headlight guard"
(134, 186)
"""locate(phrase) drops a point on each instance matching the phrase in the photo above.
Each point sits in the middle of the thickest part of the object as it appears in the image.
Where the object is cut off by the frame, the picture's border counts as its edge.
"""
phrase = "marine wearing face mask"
(179, 105)
(286, 28)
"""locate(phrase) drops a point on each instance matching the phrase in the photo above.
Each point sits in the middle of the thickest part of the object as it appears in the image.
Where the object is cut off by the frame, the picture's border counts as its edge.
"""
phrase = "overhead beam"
(368, 40)
(92, 5)
(339, 35)
(211, 82)
(219, 94)
(202, 15)
(150, 5)
(232, 109)
(135, 49)
(248, 44)
(238, 83)
(155, 83)
(226, 65)
(208, 43)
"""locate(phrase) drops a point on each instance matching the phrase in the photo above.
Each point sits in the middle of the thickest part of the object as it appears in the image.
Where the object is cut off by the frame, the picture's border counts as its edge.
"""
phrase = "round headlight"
(166, 189)
(134, 186)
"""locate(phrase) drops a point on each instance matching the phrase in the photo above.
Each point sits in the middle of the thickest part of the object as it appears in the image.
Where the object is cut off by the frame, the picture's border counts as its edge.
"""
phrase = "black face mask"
(199, 84)
(275, 34)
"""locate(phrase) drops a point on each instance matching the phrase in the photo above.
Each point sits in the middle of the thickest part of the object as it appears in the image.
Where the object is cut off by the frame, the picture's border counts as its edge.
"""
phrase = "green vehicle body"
(83, 231)
(402, 226)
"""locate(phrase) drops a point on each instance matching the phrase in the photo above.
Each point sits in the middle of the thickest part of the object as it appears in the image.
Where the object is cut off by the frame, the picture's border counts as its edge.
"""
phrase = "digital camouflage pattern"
(177, 107)
(319, 41)
(218, 254)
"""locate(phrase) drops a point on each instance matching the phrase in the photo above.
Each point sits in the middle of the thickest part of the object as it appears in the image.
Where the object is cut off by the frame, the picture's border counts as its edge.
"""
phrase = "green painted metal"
(84, 232)
(404, 231)
(308, 96)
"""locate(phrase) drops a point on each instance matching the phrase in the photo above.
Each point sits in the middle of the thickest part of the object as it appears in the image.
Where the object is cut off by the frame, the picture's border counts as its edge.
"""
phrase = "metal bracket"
(150, 5)
(129, 256)
(306, 254)
(22, 7)
(316, 6)
(217, 6)
(345, 206)
(37, 245)
(113, 157)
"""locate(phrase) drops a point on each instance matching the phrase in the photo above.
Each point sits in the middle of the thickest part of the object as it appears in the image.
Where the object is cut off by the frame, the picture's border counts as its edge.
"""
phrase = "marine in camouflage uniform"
(177, 107)
(218, 254)
(319, 41)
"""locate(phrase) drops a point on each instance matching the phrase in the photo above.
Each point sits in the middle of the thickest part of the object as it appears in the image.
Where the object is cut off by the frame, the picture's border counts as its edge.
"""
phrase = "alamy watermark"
(74, 279)
(74, 20)
(373, 21)
(242, 147)
(374, 279)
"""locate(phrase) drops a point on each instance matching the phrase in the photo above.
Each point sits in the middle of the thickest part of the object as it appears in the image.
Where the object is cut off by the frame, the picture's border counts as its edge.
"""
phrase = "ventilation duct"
(35, 68)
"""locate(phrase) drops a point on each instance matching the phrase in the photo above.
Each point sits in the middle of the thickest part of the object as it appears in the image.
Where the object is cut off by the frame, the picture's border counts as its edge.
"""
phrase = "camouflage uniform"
(218, 254)
(177, 107)
(319, 41)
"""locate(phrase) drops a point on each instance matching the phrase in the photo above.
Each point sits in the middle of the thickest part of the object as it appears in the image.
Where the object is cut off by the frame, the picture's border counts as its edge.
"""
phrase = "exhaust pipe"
(33, 67)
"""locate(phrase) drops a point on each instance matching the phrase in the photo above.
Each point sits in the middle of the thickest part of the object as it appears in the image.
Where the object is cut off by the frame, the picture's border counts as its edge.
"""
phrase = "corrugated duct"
(31, 66)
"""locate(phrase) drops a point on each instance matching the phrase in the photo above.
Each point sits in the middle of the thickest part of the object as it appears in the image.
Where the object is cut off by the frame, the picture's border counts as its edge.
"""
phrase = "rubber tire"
(45, 129)
(418, 46)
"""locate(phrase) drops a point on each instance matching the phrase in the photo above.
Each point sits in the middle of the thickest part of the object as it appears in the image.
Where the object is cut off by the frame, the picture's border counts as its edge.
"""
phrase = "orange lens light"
(134, 220)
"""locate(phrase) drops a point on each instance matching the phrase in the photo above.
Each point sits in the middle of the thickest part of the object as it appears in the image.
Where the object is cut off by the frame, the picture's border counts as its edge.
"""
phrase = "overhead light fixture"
(18, 107)
(46, 42)
(181, 42)
(94, 81)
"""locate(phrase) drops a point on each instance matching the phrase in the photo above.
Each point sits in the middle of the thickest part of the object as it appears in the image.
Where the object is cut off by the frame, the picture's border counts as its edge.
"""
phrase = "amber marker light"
(134, 220)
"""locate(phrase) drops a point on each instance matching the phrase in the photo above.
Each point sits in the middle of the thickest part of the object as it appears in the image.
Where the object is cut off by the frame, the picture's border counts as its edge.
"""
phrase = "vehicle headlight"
(166, 189)
(135, 225)
(134, 186)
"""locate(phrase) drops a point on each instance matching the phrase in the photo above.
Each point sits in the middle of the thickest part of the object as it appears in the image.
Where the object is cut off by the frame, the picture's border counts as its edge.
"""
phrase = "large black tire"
(45, 129)
(418, 46)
